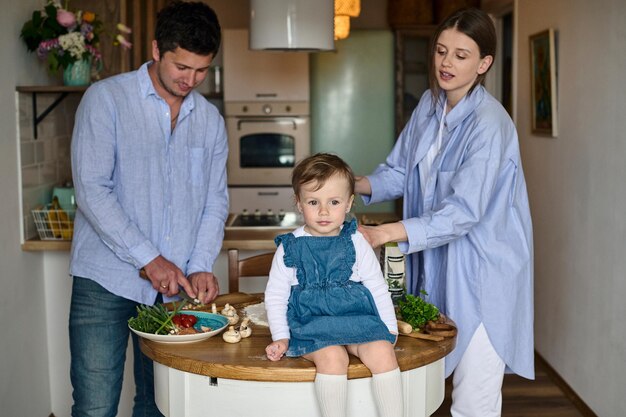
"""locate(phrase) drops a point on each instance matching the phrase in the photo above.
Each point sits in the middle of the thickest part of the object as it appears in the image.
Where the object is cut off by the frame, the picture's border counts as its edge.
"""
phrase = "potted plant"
(68, 40)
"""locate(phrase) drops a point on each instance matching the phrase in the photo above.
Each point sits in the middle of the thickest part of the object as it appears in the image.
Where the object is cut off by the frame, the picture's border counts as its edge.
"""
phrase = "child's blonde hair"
(319, 168)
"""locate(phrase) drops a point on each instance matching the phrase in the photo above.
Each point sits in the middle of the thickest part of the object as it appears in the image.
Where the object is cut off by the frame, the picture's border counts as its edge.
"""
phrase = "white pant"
(477, 379)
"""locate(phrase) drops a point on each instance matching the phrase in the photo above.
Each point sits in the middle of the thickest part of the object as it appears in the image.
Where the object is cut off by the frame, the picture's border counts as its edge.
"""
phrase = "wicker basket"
(54, 224)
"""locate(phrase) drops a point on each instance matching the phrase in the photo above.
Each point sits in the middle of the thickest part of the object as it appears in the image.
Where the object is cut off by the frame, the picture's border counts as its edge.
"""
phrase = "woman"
(466, 224)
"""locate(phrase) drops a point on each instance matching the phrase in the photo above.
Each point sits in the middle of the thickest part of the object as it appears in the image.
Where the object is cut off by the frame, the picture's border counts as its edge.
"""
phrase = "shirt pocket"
(199, 166)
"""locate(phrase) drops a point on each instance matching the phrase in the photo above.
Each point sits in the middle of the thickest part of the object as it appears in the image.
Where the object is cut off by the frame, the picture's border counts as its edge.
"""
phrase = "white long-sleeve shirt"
(366, 270)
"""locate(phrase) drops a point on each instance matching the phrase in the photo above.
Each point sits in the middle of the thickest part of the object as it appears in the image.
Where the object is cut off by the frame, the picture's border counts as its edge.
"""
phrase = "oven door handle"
(281, 120)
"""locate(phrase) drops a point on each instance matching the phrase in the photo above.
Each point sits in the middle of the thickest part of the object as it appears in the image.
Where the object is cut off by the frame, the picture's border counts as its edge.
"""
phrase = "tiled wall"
(45, 161)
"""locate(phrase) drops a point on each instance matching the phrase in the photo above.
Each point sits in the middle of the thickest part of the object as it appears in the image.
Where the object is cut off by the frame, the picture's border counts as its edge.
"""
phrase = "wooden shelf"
(36, 245)
(49, 89)
(62, 90)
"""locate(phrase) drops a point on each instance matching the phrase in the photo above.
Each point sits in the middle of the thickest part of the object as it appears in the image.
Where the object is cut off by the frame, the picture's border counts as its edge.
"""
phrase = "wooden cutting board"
(235, 299)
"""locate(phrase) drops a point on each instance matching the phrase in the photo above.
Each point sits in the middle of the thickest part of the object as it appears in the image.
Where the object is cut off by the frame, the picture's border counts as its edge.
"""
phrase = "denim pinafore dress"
(326, 308)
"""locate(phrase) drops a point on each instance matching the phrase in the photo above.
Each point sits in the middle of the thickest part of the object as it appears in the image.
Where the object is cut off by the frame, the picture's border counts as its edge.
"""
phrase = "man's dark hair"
(193, 26)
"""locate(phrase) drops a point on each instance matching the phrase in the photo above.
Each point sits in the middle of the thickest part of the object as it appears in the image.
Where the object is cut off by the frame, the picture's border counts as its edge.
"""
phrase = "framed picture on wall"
(543, 83)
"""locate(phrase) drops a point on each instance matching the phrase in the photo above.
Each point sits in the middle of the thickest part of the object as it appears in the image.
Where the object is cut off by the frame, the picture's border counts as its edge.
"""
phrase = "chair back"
(253, 266)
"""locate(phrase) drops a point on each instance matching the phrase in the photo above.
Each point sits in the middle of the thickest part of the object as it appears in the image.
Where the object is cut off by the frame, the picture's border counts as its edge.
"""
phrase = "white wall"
(24, 385)
(578, 196)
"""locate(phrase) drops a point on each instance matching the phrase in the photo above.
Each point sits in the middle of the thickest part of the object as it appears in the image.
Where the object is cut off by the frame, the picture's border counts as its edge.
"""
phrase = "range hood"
(292, 25)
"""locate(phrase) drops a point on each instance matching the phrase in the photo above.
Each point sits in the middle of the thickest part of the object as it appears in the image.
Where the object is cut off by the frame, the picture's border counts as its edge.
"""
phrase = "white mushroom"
(233, 319)
(244, 329)
(231, 335)
(228, 310)
(213, 308)
(230, 313)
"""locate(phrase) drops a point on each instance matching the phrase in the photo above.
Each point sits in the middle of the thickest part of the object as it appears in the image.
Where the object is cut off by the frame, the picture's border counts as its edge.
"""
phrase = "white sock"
(387, 389)
(332, 394)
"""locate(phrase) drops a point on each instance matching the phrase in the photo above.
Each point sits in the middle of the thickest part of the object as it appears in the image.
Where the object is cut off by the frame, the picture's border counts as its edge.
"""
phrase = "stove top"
(287, 220)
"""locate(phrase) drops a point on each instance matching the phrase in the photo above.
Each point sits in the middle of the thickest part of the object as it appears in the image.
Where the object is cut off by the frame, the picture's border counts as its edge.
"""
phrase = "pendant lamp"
(344, 10)
(342, 26)
(304, 25)
(350, 8)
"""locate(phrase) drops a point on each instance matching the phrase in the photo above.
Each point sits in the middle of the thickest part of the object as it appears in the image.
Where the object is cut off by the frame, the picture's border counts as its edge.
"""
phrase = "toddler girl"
(326, 296)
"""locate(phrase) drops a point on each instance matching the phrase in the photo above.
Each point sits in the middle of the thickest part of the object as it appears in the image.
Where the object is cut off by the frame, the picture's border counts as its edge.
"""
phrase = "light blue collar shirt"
(143, 190)
(469, 232)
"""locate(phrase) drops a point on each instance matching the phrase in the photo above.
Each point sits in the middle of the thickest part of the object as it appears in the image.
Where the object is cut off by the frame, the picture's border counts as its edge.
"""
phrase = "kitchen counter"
(192, 378)
(246, 239)
(250, 238)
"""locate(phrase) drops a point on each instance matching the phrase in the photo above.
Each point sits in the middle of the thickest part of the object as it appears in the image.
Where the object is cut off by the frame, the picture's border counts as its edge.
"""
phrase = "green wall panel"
(352, 103)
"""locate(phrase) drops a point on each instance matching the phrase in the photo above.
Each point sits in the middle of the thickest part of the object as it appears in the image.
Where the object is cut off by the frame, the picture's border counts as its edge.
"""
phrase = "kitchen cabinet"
(262, 75)
(412, 46)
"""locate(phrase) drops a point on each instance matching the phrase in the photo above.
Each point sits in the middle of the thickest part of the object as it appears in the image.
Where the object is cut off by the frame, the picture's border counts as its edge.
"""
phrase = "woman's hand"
(277, 349)
(379, 235)
(362, 186)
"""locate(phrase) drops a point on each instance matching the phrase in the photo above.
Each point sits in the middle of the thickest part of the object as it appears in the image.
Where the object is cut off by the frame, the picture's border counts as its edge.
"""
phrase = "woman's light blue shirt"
(143, 190)
(470, 233)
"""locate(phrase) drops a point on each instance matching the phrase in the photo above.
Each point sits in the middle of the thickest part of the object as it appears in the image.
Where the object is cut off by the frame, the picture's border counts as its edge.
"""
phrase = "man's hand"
(166, 277)
(205, 286)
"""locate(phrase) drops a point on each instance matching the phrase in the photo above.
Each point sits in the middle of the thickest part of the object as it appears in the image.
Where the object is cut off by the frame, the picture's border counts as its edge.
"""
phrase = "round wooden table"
(237, 379)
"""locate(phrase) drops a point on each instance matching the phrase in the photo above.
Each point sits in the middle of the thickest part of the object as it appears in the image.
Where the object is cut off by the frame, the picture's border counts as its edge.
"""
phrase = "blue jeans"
(98, 341)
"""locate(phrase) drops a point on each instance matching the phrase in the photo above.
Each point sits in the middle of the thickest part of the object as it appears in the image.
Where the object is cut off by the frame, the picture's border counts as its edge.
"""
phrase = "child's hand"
(277, 349)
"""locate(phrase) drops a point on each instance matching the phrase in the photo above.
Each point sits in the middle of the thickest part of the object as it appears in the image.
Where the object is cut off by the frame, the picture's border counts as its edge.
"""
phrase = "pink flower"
(122, 41)
(65, 18)
(93, 51)
(46, 46)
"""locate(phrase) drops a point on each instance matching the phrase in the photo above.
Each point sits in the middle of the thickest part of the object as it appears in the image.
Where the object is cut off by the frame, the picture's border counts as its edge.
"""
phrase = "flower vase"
(77, 73)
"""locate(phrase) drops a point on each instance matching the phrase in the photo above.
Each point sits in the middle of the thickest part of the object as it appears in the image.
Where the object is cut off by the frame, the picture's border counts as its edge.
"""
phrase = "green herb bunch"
(155, 319)
(416, 311)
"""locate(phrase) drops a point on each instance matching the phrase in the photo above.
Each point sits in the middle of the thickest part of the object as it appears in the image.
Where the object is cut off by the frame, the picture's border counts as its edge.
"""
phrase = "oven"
(265, 140)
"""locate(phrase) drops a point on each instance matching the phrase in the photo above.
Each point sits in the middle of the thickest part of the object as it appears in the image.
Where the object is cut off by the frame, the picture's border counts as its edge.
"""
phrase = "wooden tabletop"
(246, 360)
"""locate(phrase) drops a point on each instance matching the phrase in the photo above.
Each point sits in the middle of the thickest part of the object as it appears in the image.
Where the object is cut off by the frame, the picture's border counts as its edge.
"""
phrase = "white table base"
(183, 394)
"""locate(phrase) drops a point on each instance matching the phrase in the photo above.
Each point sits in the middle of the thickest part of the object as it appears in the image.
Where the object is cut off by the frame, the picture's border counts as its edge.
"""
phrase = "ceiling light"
(344, 10)
(342, 27)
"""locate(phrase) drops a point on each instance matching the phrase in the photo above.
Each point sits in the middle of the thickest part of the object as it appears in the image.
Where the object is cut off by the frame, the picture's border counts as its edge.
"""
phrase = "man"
(148, 159)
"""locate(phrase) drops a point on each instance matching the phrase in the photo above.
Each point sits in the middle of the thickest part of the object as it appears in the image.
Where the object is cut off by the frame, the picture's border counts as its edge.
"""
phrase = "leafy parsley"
(416, 311)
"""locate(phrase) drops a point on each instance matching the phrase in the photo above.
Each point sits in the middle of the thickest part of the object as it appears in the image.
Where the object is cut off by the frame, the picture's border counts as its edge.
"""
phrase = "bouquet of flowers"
(62, 37)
